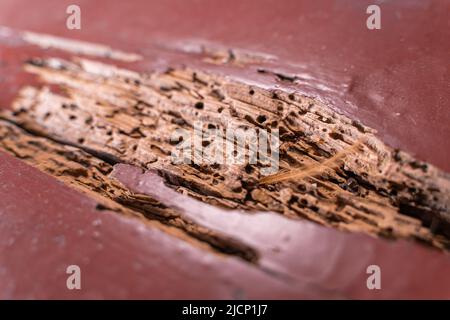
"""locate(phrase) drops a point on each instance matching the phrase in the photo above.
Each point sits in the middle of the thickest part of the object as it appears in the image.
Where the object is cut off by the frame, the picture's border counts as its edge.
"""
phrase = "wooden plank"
(130, 248)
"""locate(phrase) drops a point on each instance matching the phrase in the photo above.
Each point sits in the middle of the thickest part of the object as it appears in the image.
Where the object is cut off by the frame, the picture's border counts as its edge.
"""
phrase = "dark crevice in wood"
(89, 174)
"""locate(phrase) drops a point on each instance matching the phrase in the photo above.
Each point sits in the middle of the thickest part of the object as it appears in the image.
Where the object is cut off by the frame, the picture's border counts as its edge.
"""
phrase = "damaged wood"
(119, 115)
(90, 175)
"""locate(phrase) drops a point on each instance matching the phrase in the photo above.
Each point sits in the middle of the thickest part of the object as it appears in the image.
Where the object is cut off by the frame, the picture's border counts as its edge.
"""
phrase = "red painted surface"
(395, 79)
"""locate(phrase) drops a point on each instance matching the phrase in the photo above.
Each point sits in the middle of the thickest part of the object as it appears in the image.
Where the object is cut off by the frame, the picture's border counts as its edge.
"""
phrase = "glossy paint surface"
(396, 80)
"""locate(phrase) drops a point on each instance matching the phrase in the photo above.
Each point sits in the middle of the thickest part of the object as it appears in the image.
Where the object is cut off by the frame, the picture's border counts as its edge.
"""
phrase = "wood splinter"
(315, 169)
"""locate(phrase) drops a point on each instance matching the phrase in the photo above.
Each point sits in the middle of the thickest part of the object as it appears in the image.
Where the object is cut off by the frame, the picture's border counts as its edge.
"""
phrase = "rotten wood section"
(394, 79)
(90, 175)
(52, 226)
(334, 171)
